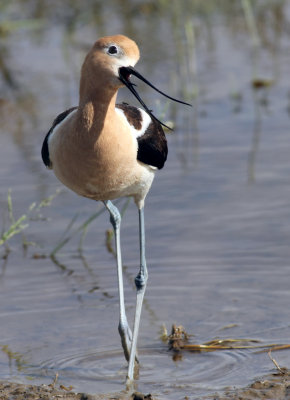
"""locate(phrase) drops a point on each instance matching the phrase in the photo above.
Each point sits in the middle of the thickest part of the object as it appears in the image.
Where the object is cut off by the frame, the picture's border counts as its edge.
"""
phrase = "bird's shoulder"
(152, 143)
(45, 150)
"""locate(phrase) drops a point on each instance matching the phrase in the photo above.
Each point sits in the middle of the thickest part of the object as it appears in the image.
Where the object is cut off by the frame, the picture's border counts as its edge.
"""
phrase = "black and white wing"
(152, 143)
(44, 150)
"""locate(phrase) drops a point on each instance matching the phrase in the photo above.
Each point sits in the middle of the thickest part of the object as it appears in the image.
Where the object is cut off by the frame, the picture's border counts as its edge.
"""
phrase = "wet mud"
(275, 386)
(16, 391)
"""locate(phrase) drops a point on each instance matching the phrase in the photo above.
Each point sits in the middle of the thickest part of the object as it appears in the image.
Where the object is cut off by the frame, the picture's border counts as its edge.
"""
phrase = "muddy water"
(217, 216)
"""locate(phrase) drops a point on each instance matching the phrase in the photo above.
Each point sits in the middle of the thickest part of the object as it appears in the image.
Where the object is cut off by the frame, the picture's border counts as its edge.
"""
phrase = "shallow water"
(217, 216)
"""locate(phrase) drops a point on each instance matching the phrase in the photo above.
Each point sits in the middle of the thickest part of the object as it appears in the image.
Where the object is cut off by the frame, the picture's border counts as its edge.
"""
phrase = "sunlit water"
(217, 218)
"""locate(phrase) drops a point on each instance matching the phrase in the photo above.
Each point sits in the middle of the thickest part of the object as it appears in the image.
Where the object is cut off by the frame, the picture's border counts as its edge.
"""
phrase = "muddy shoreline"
(275, 386)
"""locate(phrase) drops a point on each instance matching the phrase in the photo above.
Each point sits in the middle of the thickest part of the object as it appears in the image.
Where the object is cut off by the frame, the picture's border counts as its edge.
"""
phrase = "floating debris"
(282, 370)
(260, 83)
(52, 385)
(179, 338)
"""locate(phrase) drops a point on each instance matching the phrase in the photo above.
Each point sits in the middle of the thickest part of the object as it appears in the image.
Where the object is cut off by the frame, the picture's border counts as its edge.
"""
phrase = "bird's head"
(106, 57)
(110, 64)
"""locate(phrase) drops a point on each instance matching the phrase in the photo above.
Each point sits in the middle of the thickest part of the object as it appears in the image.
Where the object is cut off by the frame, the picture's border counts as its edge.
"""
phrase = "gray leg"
(140, 282)
(124, 329)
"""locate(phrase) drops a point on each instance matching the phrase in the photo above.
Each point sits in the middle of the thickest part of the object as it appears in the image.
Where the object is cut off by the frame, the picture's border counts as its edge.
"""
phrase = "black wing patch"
(44, 149)
(152, 145)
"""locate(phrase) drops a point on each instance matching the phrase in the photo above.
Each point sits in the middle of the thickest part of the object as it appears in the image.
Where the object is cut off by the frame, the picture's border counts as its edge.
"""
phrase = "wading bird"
(102, 150)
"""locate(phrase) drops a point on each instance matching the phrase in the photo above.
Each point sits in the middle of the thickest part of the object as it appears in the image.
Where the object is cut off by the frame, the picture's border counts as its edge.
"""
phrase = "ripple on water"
(105, 371)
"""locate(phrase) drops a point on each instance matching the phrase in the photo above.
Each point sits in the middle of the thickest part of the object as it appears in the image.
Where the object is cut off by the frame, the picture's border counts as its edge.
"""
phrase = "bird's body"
(104, 164)
(103, 150)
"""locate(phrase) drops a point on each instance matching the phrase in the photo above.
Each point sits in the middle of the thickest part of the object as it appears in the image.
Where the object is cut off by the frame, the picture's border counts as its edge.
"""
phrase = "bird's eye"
(113, 49)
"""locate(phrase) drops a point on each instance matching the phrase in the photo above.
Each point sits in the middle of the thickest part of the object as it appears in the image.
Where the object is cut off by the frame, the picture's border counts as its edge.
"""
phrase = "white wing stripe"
(146, 120)
(59, 125)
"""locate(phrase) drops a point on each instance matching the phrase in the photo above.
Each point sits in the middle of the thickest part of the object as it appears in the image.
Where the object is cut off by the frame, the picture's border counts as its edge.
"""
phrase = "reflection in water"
(255, 144)
(260, 108)
(16, 360)
(189, 22)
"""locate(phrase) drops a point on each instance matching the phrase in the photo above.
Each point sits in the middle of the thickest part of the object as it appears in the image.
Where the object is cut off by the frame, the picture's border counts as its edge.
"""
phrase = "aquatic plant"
(14, 357)
(18, 225)
(83, 228)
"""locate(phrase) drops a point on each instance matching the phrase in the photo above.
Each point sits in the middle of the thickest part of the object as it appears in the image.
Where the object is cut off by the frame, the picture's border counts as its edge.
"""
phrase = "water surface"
(217, 216)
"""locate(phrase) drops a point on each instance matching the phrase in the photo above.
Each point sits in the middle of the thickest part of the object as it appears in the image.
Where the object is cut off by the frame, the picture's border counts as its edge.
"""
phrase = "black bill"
(124, 76)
